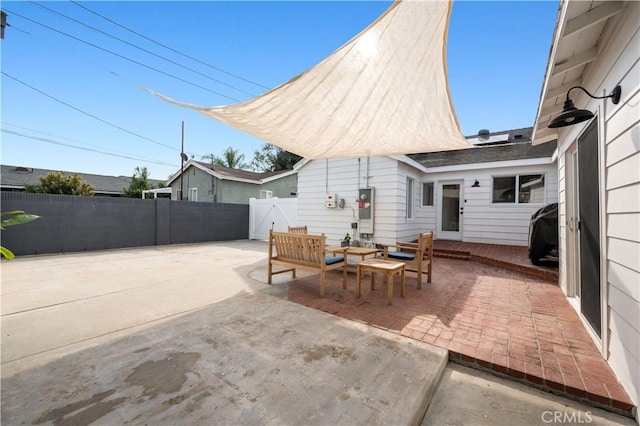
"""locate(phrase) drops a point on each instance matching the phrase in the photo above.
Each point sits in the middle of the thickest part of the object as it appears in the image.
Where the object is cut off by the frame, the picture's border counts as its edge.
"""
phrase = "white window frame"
(410, 198)
(265, 194)
(193, 194)
(433, 194)
(516, 200)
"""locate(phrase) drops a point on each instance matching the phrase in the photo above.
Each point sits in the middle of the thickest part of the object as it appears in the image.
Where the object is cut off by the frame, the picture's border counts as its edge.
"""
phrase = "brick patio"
(487, 317)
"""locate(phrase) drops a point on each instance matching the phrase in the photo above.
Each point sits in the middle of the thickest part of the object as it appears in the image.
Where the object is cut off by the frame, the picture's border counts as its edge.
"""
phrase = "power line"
(129, 81)
(125, 58)
(70, 140)
(88, 114)
(37, 138)
(169, 48)
(142, 49)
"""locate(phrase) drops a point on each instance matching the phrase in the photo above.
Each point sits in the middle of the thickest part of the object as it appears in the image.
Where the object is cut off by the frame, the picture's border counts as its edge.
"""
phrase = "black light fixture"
(476, 184)
(571, 115)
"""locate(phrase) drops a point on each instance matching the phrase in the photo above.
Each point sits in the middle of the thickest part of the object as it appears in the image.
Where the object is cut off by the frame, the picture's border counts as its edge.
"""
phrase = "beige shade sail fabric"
(384, 92)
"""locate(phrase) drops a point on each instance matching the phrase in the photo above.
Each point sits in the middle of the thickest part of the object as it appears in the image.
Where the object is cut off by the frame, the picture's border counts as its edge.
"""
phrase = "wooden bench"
(305, 251)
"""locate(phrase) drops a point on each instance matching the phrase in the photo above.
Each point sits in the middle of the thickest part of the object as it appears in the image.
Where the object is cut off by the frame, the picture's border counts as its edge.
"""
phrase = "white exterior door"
(450, 210)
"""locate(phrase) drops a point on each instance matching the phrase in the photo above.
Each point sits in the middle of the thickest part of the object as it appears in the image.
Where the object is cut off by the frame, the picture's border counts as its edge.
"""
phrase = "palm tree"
(230, 158)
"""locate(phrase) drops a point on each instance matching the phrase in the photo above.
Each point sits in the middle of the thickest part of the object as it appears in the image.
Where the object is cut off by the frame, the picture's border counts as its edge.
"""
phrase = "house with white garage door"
(486, 193)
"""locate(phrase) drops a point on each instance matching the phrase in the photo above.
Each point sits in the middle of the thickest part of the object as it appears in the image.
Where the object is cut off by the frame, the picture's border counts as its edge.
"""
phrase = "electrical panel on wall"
(365, 210)
(330, 201)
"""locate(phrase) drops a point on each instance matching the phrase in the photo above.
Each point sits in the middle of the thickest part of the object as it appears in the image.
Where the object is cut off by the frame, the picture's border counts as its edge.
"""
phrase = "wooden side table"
(387, 267)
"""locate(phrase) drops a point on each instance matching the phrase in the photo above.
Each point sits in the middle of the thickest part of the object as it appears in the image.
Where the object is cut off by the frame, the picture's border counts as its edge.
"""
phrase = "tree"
(139, 182)
(60, 183)
(230, 158)
(271, 158)
(16, 217)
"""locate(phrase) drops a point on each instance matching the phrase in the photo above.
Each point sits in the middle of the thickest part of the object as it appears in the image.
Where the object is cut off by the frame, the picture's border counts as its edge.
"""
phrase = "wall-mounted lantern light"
(476, 184)
(571, 115)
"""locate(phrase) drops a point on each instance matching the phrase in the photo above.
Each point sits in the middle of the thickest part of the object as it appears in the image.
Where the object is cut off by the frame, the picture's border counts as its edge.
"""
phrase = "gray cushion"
(330, 259)
(401, 255)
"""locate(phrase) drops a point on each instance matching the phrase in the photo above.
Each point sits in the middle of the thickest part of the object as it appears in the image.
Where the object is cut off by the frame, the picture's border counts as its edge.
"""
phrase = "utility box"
(330, 201)
(365, 209)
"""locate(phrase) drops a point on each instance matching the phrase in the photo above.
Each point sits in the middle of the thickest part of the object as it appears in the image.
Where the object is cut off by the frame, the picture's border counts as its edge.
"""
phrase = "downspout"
(366, 178)
(326, 177)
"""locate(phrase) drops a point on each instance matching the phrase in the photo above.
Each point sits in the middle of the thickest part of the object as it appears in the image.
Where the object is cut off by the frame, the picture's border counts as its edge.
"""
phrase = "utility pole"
(182, 158)
(3, 23)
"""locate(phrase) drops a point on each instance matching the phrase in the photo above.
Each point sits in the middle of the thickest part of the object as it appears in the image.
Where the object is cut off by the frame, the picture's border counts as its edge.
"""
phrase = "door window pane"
(451, 208)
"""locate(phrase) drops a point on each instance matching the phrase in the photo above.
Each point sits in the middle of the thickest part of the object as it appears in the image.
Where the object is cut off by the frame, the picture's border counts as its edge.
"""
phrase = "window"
(264, 194)
(409, 198)
(193, 194)
(519, 189)
(427, 194)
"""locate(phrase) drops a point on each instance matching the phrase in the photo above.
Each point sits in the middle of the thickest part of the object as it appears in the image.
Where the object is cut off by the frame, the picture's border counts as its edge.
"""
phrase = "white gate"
(271, 213)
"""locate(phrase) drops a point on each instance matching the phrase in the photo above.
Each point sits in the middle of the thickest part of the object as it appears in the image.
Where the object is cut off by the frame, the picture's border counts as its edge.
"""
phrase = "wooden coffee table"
(363, 252)
(387, 267)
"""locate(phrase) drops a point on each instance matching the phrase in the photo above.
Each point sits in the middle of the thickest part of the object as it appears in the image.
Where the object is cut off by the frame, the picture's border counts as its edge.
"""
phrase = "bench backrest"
(297, 229)
(305, 248)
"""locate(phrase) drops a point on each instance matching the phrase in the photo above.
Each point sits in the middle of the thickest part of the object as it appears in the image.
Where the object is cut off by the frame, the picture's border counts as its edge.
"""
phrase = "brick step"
(452, 254)
(523, 269)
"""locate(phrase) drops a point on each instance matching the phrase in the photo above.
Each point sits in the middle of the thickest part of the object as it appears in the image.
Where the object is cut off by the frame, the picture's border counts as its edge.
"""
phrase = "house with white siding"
(596, 46)
(486, 193)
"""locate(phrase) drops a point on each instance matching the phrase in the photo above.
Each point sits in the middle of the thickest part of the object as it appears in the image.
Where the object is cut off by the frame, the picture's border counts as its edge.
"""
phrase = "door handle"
(570, 223)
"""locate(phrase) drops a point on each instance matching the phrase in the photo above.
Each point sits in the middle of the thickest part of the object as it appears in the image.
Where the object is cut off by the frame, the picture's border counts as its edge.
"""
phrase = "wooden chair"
(414, 253)
(297, 229)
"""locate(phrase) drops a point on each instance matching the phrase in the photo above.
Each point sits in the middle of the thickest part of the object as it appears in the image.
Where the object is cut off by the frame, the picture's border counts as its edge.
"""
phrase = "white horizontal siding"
(482, 220)
(340, 176)
(624, 226)
(624, 252)
(621, 148)
(623, 173)
(624, 200)
(619, 64)
(500, 223)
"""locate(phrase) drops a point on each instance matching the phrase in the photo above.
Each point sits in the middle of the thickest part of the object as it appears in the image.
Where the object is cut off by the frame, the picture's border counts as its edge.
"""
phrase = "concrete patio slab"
(467, 396)
(56, 304)
(191, 334)
(253, 359)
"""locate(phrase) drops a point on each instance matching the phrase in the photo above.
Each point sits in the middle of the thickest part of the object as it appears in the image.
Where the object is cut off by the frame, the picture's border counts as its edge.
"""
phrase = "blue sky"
(496, 57)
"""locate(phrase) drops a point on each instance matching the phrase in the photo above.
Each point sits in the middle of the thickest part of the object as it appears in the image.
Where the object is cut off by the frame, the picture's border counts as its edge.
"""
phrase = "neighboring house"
(14, 178)
(205, 182)
(432, 191)
(597, 46)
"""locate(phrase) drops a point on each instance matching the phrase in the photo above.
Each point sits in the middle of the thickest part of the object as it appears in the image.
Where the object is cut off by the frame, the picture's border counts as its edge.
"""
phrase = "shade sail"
(384, 92)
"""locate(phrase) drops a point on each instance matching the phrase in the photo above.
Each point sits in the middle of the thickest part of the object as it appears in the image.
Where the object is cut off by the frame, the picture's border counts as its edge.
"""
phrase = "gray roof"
(244, 174)
(15, 177)
(518, 147)
(229, 173)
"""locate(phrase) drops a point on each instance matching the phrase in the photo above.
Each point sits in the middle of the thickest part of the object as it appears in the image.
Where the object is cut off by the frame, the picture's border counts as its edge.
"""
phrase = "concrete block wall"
(72, 223)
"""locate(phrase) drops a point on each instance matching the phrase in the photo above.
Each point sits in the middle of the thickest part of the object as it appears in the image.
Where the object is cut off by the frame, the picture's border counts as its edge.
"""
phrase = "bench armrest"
(401, 244)
(334, 250)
